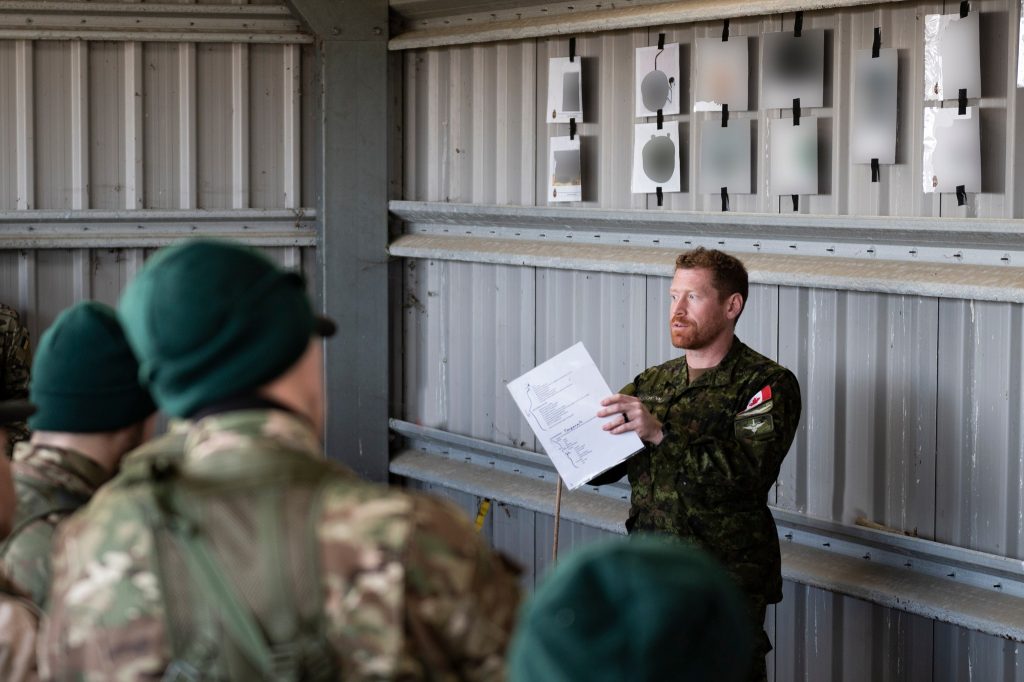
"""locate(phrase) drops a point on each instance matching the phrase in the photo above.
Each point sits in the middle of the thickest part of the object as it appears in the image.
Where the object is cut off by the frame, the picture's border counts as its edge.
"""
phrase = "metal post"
(352, 196)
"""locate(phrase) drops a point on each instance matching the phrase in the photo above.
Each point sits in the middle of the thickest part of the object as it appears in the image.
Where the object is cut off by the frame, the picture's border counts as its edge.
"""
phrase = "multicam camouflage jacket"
(15, 363)
(399, 585)
(50, 483)
(708, 481)
(19, 622)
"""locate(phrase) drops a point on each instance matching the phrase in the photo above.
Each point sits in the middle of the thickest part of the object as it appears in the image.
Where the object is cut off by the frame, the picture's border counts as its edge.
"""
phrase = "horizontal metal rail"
(153, 228)
(981, 591)
(232, 23)
(536, 20)
(635, 242)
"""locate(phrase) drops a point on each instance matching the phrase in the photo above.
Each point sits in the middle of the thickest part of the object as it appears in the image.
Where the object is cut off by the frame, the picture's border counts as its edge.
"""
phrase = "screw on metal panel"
(826, 544)
(831, 249)
(908, 564)
(789, 536)
(951, 575)
(377, 30)
(866, 556)
(335, 31)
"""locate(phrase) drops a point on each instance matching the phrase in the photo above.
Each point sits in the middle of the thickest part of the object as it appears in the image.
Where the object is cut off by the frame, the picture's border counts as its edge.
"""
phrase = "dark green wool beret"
(84, 375)
(210, 320)
(638, 609)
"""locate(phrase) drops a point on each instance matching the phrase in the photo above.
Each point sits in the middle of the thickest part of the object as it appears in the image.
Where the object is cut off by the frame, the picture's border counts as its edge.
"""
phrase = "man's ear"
(735, 306)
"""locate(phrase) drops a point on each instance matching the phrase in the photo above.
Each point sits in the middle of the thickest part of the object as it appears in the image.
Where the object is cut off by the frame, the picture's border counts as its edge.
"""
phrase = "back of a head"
(639, 609)
(85, 376)
(210, 320)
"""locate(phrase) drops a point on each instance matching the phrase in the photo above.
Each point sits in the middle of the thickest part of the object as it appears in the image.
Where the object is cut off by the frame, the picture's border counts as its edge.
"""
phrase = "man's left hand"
(633, 417)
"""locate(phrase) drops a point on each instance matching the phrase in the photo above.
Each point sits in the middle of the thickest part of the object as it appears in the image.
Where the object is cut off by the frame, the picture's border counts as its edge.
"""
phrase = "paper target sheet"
(560, 399)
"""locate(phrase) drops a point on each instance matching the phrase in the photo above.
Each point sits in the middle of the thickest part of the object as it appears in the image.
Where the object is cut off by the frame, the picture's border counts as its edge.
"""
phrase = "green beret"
(84, 375)
(638, 609)
(210, 320)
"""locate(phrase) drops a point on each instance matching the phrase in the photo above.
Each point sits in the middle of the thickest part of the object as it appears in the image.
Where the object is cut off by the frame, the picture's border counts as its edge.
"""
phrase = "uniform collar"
(68, 468)
(722, 373)
(249, 431)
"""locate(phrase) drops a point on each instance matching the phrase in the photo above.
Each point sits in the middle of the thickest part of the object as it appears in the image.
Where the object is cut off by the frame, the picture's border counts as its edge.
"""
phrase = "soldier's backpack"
(243, 598)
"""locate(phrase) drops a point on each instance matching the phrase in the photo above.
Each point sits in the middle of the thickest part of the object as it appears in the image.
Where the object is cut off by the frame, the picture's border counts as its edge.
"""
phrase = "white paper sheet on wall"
(565, 90)
(952, 150)
(722, 74)
(874, 107)
(952, 56)
(794, 68)
(656, 158)
(565, 180)
(724, 158)
(793, 156)
(657, 80)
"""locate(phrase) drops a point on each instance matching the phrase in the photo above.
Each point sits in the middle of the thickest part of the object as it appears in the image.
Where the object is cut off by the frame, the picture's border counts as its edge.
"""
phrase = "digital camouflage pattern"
(19, 622)
(15, 365)
(50, 483)
(401, 585)
(708, 481)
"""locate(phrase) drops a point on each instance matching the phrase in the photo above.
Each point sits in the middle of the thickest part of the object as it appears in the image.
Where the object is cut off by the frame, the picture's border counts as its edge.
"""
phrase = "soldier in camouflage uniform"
(19, 617)
(717, 423)
(252, 556)
(91, 412)
(15, 361)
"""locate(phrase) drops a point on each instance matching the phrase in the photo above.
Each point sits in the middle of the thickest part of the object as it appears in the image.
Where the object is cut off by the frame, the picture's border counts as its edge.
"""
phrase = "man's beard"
(692, 337)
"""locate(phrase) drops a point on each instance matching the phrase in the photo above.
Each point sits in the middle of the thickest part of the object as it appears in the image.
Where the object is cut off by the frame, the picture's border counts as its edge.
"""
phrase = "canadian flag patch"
(759, 397)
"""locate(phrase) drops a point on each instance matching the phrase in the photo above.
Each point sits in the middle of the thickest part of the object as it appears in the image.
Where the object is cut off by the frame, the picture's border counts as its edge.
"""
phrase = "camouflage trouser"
(762, 645)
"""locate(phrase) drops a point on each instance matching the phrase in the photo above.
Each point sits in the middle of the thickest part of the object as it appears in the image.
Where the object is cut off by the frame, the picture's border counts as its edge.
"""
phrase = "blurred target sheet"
(560, 399)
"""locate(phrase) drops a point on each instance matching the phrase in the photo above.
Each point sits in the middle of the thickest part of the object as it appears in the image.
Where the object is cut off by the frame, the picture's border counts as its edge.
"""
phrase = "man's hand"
(633, 417)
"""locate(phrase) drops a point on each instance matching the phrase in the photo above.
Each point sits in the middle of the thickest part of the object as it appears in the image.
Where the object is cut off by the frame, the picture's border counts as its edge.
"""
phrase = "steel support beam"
(167, 22)
(975, 590)
(352, 196)
(537, 20)
(153, 228)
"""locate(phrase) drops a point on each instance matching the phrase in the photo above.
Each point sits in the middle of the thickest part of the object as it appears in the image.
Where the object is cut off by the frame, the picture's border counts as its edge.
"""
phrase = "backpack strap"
(306, 655)
(63, 503)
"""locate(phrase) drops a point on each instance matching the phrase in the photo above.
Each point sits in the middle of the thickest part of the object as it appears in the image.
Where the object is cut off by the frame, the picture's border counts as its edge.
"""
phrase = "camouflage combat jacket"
(50, 483)
(708, 480)
(19, 623)
(404, 587)
(15, 363)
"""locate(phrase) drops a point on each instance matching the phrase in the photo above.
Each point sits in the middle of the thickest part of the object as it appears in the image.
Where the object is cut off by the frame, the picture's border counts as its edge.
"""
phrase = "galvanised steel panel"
(51, 88)
(42, 283)
(491, 312)
(823, 636)
(8, 126)
(269, 89)
(449, 104)
(964, 655)
(607, 312)
(866, 366)
(215, 89)
(425, 338)
(167, 87)
(978, 469)
(107, 126)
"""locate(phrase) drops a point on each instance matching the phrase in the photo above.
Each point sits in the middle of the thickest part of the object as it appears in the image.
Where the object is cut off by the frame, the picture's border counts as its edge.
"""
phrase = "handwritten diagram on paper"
(560, 399)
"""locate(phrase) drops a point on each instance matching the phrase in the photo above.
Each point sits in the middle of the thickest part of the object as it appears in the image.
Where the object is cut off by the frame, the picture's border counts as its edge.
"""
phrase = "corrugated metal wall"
(207, 132)
(912, 404)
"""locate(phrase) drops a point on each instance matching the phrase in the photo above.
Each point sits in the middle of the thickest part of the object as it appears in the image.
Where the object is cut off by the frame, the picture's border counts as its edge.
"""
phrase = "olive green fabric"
(638, 609)
(210, 320)
(84, 375)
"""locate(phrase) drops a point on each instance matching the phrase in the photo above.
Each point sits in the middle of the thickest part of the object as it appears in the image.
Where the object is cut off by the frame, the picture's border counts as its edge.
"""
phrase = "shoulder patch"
(759, 397)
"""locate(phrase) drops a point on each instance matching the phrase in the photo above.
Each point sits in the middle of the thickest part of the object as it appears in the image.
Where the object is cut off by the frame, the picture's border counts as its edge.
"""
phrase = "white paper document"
(560, 399)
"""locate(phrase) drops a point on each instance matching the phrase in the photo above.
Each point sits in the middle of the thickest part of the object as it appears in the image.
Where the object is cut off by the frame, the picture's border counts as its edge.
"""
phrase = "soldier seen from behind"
(717, 424)
(251, 556)
(15, 363)
(642, 609)
(91, 411)
(19, 617)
